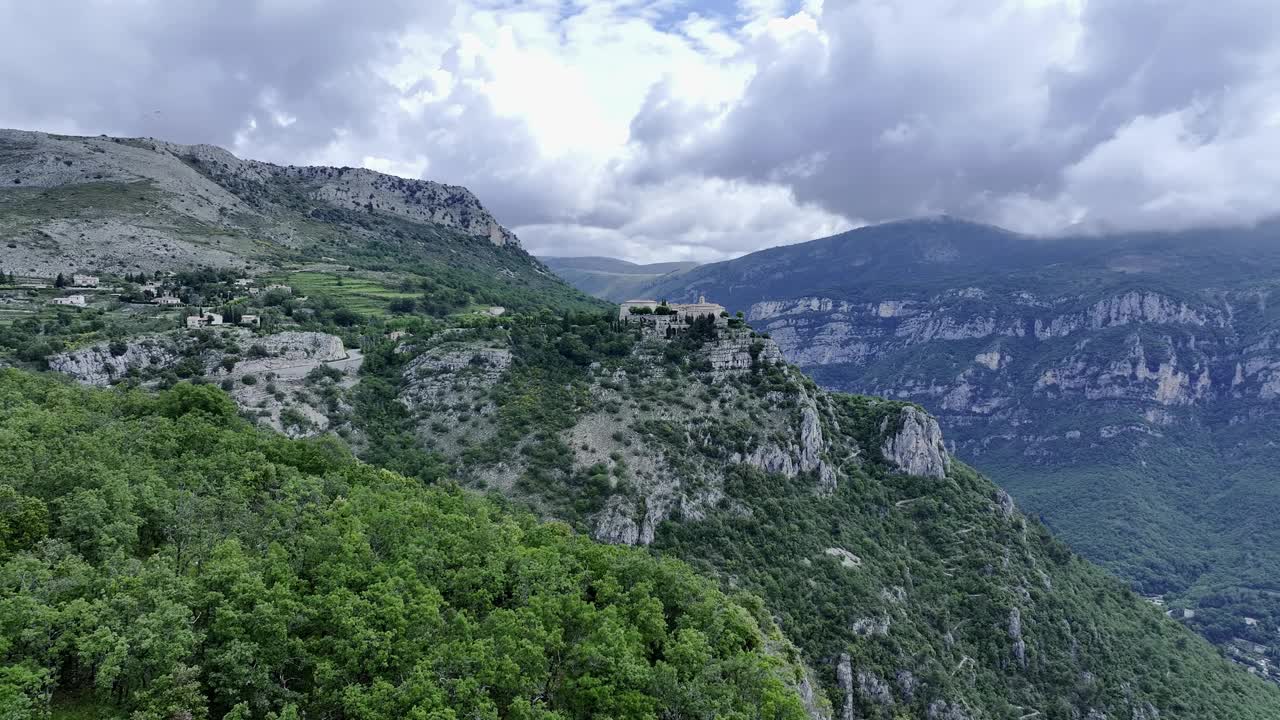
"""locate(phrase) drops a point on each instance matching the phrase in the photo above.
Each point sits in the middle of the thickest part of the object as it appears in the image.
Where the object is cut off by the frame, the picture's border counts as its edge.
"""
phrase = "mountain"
(1121, 387)
(615, 280)
(244, 573)
(140, 206)
(162, 557)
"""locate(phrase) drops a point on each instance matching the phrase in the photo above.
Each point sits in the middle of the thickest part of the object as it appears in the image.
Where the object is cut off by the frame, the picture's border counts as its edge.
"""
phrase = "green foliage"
(194, 567)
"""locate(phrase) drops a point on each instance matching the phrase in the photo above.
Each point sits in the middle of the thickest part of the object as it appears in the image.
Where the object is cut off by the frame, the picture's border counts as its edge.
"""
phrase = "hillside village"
(189, 300)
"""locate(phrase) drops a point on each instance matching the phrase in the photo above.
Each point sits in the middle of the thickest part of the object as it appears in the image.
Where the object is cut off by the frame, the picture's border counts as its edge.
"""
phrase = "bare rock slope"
(124, 205)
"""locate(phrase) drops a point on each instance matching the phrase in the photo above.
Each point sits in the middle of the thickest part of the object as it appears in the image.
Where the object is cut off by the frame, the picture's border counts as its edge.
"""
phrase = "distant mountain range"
(1122, 387)
(611, 279)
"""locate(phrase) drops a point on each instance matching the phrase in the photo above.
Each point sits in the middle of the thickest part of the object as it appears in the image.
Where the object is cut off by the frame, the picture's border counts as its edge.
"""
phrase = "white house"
(71, 300)
(85, 281)
(253, 320)
(166, 300)
(282, 288)
(203, 320)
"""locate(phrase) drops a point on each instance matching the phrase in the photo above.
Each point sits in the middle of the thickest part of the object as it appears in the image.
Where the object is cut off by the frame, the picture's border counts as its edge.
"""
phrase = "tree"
(60, 281)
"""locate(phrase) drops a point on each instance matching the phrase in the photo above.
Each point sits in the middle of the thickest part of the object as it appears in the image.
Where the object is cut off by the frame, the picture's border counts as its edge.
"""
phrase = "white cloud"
(687, 218)
(655, 129)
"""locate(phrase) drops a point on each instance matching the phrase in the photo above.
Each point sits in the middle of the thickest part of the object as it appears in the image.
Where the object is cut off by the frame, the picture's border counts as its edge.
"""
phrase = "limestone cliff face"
(273, 383)
(104, 363)
(916, 448)
(450, 206)
(1146, 349)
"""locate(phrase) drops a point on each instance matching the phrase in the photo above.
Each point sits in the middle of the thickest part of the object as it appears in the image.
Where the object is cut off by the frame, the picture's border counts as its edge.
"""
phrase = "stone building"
(85, 281)
(682, 313)
(206, 319)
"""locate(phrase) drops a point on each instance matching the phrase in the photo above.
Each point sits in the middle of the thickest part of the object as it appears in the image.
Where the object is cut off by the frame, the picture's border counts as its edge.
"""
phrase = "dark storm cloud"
(195, 71)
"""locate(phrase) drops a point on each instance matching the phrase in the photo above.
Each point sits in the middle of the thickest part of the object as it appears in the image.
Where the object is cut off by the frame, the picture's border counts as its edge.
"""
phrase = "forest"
(161, 558)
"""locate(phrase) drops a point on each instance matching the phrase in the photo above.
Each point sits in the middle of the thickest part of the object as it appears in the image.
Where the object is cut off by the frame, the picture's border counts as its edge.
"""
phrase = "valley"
(428, 475)
(1121, 388)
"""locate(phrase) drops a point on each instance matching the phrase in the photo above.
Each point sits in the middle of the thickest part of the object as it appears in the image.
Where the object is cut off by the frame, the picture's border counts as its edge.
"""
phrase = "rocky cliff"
(910, 585)
(290, 381)
(129, 204)
(1085, 374)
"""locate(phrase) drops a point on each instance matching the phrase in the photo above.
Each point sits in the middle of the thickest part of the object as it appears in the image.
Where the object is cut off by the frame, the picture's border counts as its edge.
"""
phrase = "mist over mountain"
(611, 279)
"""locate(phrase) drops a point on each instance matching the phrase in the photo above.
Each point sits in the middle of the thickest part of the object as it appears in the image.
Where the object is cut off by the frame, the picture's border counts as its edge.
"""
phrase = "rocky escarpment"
(130, 204)
(105, 363)
(449, 206)
(290, 381)
(916, 448)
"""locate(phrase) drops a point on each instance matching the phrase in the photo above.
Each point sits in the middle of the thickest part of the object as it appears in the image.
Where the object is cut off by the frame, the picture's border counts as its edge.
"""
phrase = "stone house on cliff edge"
(681, 312)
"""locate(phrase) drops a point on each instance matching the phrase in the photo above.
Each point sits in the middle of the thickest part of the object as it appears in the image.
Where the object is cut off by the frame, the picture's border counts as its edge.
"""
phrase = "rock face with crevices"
(270, 376)
(916, 448)
(1058, 365)
(104, 363)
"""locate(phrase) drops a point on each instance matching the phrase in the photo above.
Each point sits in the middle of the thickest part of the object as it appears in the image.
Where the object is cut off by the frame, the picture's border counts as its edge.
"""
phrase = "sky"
(657, 130)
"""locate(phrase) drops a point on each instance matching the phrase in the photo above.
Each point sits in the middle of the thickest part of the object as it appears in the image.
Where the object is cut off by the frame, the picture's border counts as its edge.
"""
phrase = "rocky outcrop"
(616, 524)
(287, 349)
(1019, 647)
(271, 381)
(844, 681)
(807, 456)
(441, 373)
(848, 560)
(916, 447)
(943, 710)
(104, 363)
(449, 206)
(739, 350)
(874, 689)
(359, 189)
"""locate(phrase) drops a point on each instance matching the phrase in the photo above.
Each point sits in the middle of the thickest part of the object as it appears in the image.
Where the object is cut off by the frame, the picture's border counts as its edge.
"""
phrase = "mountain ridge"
(189, 198)
(902, 580)
(1060, 365)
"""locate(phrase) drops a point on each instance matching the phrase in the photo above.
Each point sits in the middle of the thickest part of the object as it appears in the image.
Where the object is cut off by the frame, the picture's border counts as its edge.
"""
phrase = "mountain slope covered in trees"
(159, 558)
(900, 582)
(1121, 387)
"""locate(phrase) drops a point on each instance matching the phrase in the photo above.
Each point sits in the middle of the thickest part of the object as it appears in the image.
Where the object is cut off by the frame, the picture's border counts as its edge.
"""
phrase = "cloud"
(1037, 115)
(686, 218)
(675, 129)
(288, 75)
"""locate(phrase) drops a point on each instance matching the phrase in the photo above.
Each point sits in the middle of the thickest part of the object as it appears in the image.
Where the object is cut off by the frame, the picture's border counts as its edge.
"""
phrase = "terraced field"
(360, 294)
